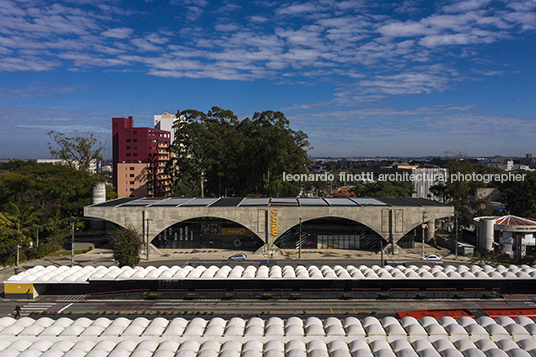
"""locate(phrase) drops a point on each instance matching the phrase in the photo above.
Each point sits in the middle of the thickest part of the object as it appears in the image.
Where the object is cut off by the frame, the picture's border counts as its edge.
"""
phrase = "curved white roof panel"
(295, 336)
(78, 275)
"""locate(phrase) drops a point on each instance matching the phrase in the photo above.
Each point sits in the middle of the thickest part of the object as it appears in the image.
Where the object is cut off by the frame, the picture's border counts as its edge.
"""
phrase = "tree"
(384, 189)
(54, 191)
(126, 245)
(461, 193)
(77, 151)
(520, 196)
(217, 154)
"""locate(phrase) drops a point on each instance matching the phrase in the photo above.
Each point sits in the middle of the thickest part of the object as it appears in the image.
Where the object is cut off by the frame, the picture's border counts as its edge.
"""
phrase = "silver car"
(238, 257)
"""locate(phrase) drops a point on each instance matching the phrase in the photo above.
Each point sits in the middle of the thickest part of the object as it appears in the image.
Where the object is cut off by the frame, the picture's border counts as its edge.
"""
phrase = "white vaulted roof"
(294, 336)
(79, 275)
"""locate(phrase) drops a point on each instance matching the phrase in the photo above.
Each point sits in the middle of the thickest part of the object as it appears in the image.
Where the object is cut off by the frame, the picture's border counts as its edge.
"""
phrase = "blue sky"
(361, 78)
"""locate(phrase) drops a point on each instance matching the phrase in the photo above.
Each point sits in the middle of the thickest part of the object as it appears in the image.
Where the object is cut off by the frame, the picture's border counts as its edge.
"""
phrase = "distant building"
(509, 235)
(529, 161)
(507, 163)
(421, 177)
(93, 166)
(139, 158)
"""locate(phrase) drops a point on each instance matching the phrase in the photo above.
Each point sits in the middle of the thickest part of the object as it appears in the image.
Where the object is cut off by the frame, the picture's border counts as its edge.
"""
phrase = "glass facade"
(207, 233)
(334, 233)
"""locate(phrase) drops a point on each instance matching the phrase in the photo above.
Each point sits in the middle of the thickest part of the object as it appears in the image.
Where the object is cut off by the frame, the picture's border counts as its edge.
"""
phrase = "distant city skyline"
(363, 79)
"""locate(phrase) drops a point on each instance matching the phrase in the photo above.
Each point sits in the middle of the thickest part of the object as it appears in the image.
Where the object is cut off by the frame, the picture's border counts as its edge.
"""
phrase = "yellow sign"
(274, 222)
(18, 288)
(240, 231)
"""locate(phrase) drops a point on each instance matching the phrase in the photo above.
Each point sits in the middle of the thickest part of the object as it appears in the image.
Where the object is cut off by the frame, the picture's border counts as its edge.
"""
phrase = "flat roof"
(267, 202)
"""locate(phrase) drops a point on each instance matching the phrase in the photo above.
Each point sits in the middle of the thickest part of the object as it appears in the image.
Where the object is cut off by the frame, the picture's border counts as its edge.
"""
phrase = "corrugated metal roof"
(514, 221)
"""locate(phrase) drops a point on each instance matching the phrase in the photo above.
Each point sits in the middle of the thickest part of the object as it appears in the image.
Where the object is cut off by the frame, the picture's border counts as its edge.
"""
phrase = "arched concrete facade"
(271, 221)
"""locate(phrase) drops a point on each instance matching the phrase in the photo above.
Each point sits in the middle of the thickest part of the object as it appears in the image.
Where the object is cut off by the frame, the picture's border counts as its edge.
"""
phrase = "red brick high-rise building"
(139, 158)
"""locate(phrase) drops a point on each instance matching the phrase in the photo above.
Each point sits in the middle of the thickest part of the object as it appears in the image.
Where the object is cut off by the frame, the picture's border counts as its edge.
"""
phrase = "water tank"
(99, 193)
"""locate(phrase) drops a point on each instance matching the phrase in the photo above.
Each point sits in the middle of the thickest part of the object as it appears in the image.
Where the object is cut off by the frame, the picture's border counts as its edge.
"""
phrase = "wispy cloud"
(411, 132)
(34, 90)
(118, 32)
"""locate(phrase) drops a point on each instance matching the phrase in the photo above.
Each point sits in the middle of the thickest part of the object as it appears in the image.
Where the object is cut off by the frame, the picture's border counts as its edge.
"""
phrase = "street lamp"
(424, 216)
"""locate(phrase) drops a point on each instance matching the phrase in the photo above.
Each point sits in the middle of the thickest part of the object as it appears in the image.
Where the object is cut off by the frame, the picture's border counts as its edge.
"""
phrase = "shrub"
(126, 245)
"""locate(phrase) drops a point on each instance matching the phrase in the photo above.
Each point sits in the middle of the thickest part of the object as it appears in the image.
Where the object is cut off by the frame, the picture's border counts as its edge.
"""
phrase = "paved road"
(248, 308)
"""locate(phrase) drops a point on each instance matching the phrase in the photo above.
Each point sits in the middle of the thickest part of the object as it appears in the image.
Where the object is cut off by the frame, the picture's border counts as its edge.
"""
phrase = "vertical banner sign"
(274, 222)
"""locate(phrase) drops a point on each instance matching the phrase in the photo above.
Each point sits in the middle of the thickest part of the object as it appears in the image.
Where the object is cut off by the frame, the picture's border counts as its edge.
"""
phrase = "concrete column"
(430, 231)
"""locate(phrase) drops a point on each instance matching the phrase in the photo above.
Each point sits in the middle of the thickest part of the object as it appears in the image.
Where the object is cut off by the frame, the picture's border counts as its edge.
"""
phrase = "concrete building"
(139, 158)
(165, 122)
(255, 223)
(421, 177)
(509, 235)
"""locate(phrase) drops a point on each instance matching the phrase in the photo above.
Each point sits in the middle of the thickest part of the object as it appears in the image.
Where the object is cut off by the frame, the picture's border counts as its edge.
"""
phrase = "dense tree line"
(32, 195)
(216, 154)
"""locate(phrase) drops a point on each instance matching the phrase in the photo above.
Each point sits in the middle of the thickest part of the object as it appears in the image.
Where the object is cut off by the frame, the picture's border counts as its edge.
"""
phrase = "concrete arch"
(327, 217)
(328, 225)
(352, 220)
(152, 220)
(207, 217)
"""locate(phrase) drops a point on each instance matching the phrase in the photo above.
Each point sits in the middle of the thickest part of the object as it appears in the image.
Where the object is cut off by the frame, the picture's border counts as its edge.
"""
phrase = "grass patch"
(64, 253)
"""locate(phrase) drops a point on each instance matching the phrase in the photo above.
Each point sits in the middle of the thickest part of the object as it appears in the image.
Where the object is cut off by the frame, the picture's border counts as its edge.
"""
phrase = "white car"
(432, 257)
(238, 257)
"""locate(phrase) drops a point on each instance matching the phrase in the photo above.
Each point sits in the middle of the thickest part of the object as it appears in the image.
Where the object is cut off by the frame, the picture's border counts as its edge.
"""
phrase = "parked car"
(238, 257)
(432, 257)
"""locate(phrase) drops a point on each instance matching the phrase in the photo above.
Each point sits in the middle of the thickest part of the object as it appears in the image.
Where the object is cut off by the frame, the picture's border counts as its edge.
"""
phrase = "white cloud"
(228, 8)
(465, 5)
(227, 27)
(26, 64)
(119, 32)
(258, 19)
(145, 45)
(297, 9)
(337, 41)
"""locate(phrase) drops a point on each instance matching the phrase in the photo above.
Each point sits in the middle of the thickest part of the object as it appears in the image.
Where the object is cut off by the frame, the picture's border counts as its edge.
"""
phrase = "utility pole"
(456, 248)
(37, 243)
(18, 246)
(381, 250)
(147, 246)
(72, 242)
(299, 246)
(424, 216)
(202, 191)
